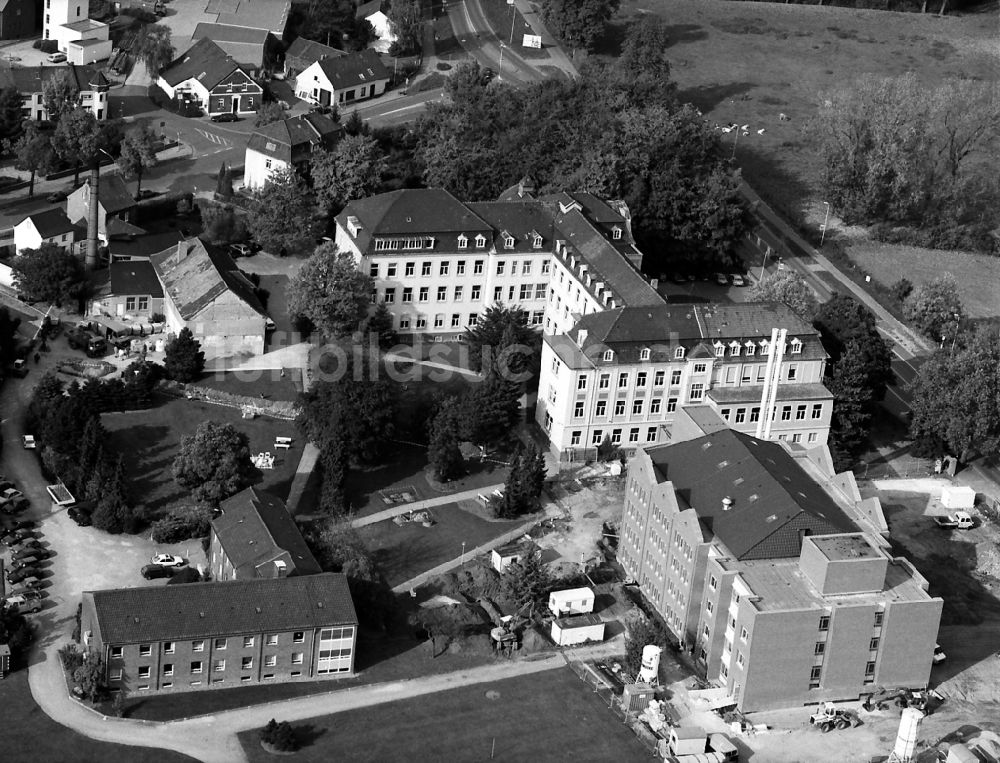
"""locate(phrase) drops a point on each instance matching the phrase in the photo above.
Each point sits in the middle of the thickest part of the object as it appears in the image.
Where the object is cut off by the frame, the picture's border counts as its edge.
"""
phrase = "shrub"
(182, 524)
(279, 736)
(76, 625)
(158, 318)
(48, 46)
(140, 14)
(36, 44)
(71, 657)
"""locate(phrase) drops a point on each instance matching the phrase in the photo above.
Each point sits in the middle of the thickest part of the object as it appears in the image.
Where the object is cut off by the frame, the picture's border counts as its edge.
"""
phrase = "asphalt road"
(475, 35)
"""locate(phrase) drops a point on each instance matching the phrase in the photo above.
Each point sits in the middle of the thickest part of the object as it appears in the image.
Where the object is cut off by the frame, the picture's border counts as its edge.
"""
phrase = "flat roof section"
(838, 548)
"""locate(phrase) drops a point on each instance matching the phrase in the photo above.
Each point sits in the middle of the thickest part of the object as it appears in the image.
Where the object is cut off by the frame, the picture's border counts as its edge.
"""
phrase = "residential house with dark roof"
(303, 53)
(116, 208)
(51, 226)
(286, 143)
(252, 48)
(204, 291)
(621, 375)
(132, 292)
(18, 19)
(347, 79)
(177, 638)
(256, 537)
(556, 259)
(770, 575)
(90, 83)
(208, 77)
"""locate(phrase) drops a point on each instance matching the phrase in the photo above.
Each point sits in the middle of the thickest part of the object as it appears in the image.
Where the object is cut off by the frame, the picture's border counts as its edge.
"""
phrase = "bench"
(285, 440)
(282, 445)
(483, 499)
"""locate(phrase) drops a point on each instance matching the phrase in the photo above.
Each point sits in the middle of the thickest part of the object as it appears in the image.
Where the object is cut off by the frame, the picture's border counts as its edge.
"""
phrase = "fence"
(608, 696)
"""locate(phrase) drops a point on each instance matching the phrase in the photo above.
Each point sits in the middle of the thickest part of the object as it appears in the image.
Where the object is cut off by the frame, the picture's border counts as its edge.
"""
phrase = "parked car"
(227, 117)
(939, 655)
(960, 520)
(56, 58)
(36, 551)
(5, 483)
(55, 197)
(80, 515)
(83, 339)
(240, 250)
(29, 601)
(146, 193)
(278, 75)
(28, 561)
(720, 278)
(16, 537)
(16, 576)
(153, 571)
(167, 560)
(16, 506)
(23, 524)
(28, 441)
(33, 585)
(20, 368)
(739, 280)
(10, 494)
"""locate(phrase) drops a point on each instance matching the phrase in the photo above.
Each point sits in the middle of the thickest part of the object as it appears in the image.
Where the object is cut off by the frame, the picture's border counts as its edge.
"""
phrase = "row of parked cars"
(26, 556)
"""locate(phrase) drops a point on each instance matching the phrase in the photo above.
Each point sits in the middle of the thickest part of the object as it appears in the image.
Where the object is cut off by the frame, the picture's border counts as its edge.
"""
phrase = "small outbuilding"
(572, 601)
(578, 629)
(958, 497)
(504, 556)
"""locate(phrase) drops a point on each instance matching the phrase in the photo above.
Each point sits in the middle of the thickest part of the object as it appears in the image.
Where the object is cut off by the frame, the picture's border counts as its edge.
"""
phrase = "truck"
(832, 717)
(82, 338)
(960, 520)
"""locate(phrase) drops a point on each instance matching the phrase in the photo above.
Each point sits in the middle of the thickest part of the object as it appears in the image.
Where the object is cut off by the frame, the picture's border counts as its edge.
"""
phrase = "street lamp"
(113, 160)
(513, 18)
(764, 263)
(462, 562)
(500, 68)
(826, 220)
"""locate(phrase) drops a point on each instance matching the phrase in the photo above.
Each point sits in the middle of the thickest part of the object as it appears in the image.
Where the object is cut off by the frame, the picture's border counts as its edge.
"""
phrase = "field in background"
(978, 275)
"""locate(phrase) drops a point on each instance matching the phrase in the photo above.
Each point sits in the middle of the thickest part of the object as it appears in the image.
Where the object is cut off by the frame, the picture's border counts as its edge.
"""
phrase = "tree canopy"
(183, 359)
(283, 214)
(214, 463)
(138, 154)
(33, 151)
(406, 23)
(330, 291)
(579, 23)
(789, 288)
(269, 112)
(352, 170)
(59, 94)
(48, 273)
(153, 47)
(77, 138)
(842, 321)
(502, 342)
(935, 308)
(11, 117)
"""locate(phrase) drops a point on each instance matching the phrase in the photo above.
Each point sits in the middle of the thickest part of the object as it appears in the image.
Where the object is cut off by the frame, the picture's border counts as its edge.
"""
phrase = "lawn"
(750, 62)
(150, 440)
(545, 716)
(381, 659)
(267, 382)
(403, 552)
(977, 275)
(28, 734)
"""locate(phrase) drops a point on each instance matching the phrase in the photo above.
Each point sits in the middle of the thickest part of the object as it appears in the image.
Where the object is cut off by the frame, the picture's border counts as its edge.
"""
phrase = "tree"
(956, 397)
(527, 582)
(525, 481)
(15, 630)
(492, 410)
(352, 170)
(642, 70)
(138, 154)
(843, 320)
(935, 308)
(580, 23)
(90, 676)
(443, 452)
(183, 360)
(214, 463)
(222, 224)
(152, 46)
(113, 513)
(406, 23)
(789, 288)
(33, 151)
(330, 291)
(502, 342)
(59, 94)
(48, 274)
(852, 400)
(642, 631)
(183, 523)
(279, 736)
(269, 112)
(282, 219)
(11, 117)
(224, 182)
(76, 139)
(380, 323)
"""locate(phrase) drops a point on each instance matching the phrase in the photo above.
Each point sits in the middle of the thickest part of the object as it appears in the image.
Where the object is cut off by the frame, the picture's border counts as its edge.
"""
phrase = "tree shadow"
(306, 734)
(707, 97)
(784, 192)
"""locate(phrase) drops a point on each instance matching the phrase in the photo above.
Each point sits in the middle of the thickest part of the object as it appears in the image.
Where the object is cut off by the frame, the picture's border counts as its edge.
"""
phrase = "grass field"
(403, 552)
(28, 734)
(978, 275)
(547, 716)
(750, 62)
(268, 382)
(151, 439)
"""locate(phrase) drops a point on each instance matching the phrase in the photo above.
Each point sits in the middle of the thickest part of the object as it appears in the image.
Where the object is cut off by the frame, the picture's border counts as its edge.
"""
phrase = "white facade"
(313, 85)
(26, 236)
(88, 51)
(67, 21)
(572, 601)
(570, 631)
(258, 169)
(380, 23)
(571, 296)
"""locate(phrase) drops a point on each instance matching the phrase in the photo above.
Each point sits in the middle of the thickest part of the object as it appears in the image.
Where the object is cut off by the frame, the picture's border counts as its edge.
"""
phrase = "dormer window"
(536, 242)
(508, 241)
(796, 346)
(734, 349)
(751, 348)
(679, 353)
(765, 347)
(463, 241)
(609, 355)
(720, 350)
(616, 233)
(480, 241)
(644, 353)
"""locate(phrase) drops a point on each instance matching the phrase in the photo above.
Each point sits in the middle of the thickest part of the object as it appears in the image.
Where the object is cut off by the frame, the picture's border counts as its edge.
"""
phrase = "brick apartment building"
(222, 635)
(256, 537)
(784, 591)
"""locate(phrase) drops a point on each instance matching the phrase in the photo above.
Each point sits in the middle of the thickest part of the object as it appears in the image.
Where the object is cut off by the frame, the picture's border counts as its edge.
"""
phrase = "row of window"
(786, 413)
(218, 666)
(522, 267)
(601, 407)
(419, 321)
(824, 622)
(218, 644)
(527, 291)
(615, 436)
(720, 349)
(133, 303)
(642, 378)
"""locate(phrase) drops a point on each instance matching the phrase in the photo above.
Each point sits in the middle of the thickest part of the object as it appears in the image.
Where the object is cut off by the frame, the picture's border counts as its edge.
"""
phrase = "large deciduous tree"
(843, 320)
(33, 151)
(269, 112)
(352, 170)
(579, 23)
(789, 288)
(935, 308)
(330, 291)
(138, 154)
(283, 214)
(11, 116)
(153, 47)
(214, 463)
(77, 138)
(59, 94)
(406, 23)
(48, 274)
(956, 398)
(183, 360)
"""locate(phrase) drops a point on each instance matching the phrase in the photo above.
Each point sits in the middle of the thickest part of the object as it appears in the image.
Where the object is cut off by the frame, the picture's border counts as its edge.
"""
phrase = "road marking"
(217, 139)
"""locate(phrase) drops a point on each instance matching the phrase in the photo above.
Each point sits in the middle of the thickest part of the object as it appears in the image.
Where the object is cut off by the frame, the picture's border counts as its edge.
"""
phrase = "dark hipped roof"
(773, 499)
(520, 219)
(309, 51)
(283, 138)
(194, 275)
(51, 222)
(361, 68)
(255, 530)
(134, 277)
(204, 61)
(204, 610)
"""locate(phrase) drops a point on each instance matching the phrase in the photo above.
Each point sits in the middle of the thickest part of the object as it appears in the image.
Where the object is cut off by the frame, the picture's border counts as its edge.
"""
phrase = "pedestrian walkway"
(406, 508)
(307, 463)
(395, 357)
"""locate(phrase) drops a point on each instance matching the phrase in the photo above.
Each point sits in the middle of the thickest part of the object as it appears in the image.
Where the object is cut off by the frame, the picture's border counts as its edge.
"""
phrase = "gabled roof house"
(207, 76)
(286, 143)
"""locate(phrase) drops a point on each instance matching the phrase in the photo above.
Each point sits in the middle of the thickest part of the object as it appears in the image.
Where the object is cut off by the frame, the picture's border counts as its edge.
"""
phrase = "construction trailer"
(577, 629)
(572, 601)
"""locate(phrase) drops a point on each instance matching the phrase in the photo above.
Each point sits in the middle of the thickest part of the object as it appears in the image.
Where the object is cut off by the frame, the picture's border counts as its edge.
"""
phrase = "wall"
(256, 172)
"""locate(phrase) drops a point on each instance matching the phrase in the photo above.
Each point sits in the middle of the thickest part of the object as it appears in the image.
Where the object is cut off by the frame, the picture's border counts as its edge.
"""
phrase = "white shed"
(573, 601)
(958, 497)
(503, 557)
(568, 631)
